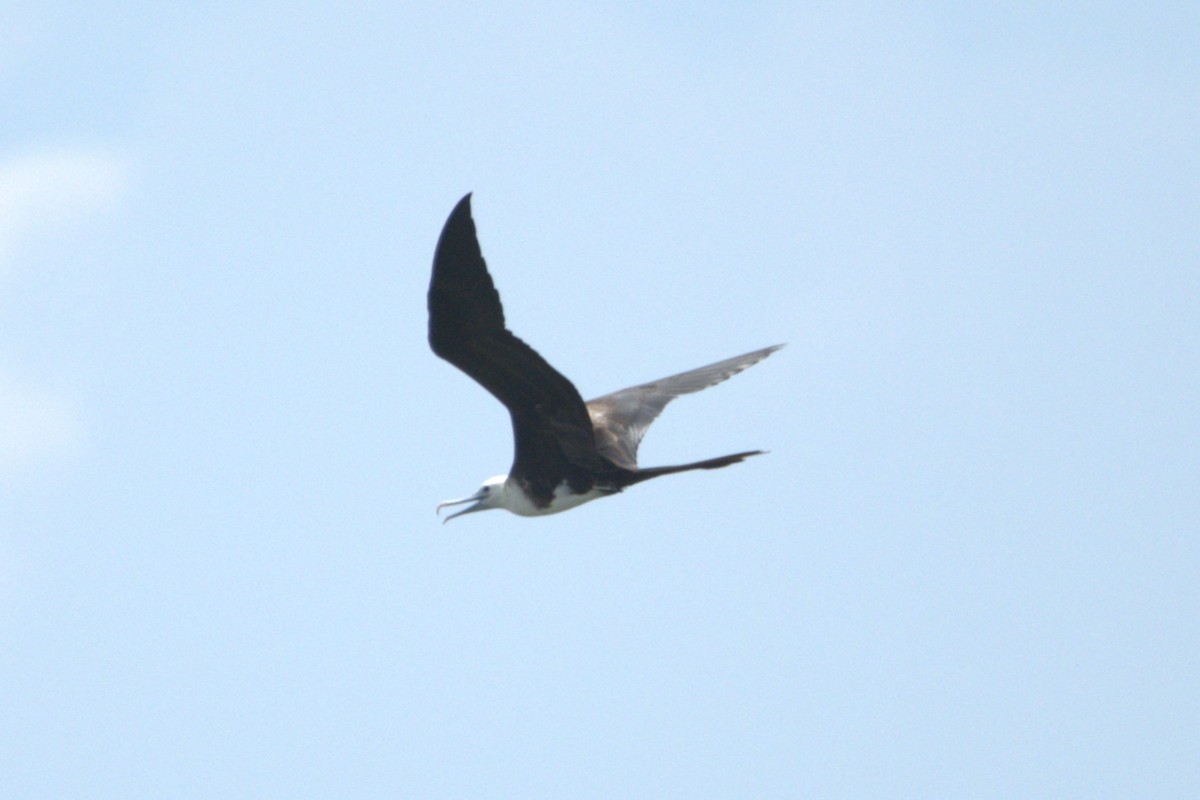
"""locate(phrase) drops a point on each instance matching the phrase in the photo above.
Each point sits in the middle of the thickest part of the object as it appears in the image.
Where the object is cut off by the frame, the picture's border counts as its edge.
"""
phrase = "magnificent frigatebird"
(567, 452)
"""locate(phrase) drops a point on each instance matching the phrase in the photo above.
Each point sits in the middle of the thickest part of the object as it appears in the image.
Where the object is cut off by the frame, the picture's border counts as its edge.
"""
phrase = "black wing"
(551, 428)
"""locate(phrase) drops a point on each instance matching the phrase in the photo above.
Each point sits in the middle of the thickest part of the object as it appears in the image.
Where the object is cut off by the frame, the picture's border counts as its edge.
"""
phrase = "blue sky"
(968, 567)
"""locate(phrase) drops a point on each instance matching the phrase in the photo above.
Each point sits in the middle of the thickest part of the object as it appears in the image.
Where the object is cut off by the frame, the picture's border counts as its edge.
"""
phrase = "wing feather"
(467, 328)
(621, 419)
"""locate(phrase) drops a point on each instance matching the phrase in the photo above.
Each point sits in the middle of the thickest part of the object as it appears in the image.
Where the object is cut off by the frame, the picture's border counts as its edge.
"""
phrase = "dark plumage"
(566, 451)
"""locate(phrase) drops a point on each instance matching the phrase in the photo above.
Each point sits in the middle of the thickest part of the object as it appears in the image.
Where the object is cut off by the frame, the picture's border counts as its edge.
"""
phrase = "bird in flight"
(567, 452)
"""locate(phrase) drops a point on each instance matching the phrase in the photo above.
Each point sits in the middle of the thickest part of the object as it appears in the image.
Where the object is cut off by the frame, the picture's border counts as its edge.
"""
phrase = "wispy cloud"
(40, 190)
(39, 193)
(33, 424)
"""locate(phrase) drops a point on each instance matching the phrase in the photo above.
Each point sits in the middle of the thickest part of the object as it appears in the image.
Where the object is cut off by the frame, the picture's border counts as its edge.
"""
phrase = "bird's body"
(567, 452)
(504, 492)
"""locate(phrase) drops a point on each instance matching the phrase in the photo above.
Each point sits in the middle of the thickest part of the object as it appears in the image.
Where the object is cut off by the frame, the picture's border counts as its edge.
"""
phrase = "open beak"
(472, 499)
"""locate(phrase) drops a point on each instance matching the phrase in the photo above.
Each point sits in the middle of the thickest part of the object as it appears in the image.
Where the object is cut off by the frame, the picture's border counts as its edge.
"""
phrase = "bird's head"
(490, 495)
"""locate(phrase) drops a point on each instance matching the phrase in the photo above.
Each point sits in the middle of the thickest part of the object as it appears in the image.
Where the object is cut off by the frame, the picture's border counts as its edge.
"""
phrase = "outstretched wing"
(466, 328)
(620, 419)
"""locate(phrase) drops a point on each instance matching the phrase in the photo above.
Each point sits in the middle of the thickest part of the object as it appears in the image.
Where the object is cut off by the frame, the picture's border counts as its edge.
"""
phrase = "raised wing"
(620, 419)
(466, 328)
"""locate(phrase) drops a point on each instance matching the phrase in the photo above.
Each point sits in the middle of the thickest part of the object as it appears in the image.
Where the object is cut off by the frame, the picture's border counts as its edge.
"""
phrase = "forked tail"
(708, 463)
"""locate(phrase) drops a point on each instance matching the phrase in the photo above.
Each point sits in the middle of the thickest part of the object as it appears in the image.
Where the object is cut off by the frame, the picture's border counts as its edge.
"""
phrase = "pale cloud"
(38, 194)
(40, 190)
(33, 425)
